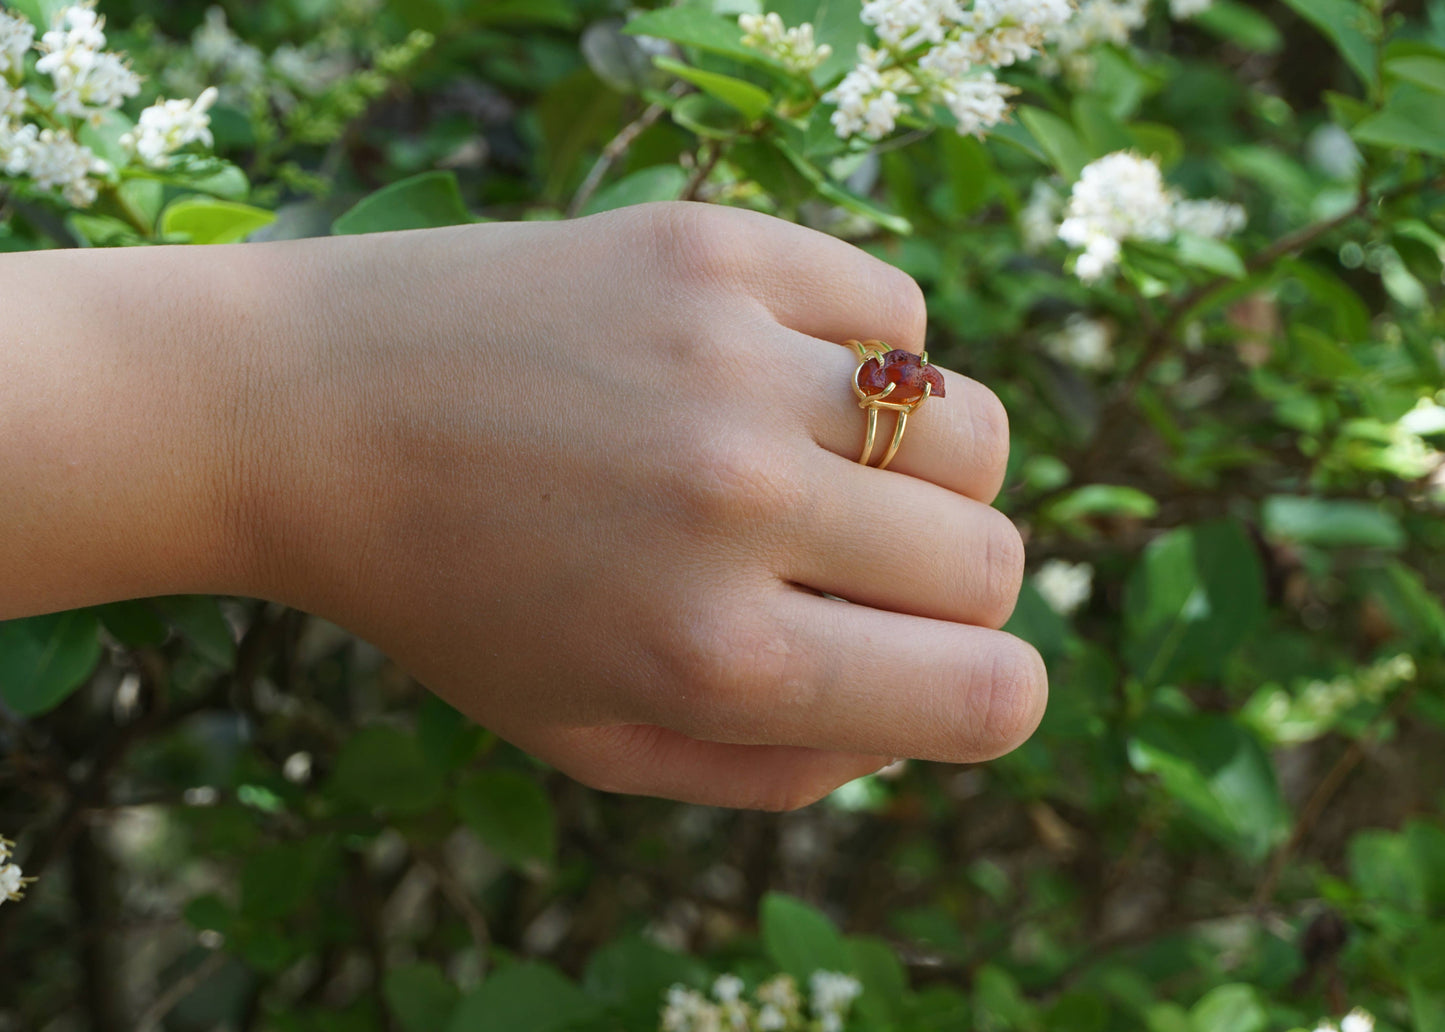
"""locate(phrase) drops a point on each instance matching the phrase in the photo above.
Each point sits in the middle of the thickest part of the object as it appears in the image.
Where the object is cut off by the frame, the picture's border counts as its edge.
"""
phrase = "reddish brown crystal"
(906, 370)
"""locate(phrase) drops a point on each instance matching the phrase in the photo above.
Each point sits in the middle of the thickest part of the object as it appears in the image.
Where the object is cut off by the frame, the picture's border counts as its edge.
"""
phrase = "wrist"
(113, 438)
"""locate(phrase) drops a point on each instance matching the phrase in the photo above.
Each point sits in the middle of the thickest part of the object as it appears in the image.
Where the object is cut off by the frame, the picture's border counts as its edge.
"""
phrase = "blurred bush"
(1195, 247)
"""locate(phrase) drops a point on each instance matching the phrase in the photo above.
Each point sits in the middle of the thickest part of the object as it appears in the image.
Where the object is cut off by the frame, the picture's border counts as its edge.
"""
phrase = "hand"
(587, 480)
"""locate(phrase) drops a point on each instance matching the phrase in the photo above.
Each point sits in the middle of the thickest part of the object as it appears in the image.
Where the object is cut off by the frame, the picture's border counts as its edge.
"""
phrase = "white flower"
(906, 23)
(1083, 342)
(306, 70)
(1122, 197)
(1332, 150)
(832, 994)
(88, 78)
(1095, 23)
(16, 144)
(102, 83)
(781, 992)
(978, 103)
(727, 988)
(58, 162)
(1182, 9)
(1358, 1020)
(1039, 219)
(1210, 218)
(866, 102)
(16, 37)
(1064, 586)
(12, 879)
(687, 1010)
(217, 47)
(77, 34)
(770, 1019)
(794, 48)
(12, 102)
(168, 125)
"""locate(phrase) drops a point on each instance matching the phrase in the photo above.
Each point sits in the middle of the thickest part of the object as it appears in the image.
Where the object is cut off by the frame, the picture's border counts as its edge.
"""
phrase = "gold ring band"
(892, 379)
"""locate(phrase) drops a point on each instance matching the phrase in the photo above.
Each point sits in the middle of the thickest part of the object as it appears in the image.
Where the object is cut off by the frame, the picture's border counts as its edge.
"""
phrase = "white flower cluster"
(89, 80)
(941, 52)
(794, 48)
(12, 880)
(1083, 343)
(776, 1006)
(1358, 1020)
(168, 125)
(1185, 9)
(85, 82)
(1064, 586)
(1122, 197)
(1317, 706)
(218, 55)
(1096, 23)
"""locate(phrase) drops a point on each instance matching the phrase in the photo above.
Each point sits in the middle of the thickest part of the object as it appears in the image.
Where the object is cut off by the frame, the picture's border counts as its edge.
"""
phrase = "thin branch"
(702, 172)
(617, 146)
(1324, 792)
(456, 894)
(178, 991)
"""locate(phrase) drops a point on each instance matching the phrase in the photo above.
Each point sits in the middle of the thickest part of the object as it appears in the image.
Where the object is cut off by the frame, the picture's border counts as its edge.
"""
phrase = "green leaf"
(1219, 772)
(1102, 132)
(1411, 605)
(708, 117)
(199, 618)
(1241, 25)
(1229, 1008)
(555, 13)
(423, 201)
(511, 813)
(208, 220)
(1333, 523)
(420, 996)
(134, 623)
(1195, 596)
(1104, 500)
(631, 974)
(752, 101)
(830, 191)
(1036, 622)
(448, 738)
(1412, 119)
(1211, 255)
(695, 27)
(970, 172)
(382, 768)
(1427, 70)
(1382, 867)
(43, 659)
(885, 983)
(278, 880)
(657, 183)
(800, 939)
(1349, 26)
(522, 998)
(1057, 138)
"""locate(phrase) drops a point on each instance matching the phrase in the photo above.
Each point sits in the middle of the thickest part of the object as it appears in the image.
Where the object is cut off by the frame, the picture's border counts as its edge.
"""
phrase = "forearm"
(119, 381)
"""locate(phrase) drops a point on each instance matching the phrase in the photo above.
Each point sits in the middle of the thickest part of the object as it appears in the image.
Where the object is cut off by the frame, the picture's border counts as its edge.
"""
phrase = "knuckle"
(1014, 697)
(728, 483)
(736, 671)
(697, 243)
(990, 431)
(1003, 569)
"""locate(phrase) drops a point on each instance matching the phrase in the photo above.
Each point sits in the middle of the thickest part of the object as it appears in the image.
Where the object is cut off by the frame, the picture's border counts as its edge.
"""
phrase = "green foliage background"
(1231, 818)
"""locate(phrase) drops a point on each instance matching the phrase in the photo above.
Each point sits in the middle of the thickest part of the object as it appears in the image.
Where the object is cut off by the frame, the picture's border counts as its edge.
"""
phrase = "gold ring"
(892, 379)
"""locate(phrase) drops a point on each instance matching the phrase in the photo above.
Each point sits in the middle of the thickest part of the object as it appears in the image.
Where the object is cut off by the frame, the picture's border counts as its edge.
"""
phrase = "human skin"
(586, 480)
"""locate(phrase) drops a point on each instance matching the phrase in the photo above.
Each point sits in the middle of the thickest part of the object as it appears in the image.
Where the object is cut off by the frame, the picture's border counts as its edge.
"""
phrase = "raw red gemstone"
(906, 370)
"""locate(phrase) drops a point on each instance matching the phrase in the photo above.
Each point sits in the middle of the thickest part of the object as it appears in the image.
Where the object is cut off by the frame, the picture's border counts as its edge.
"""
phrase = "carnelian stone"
(906, 370)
